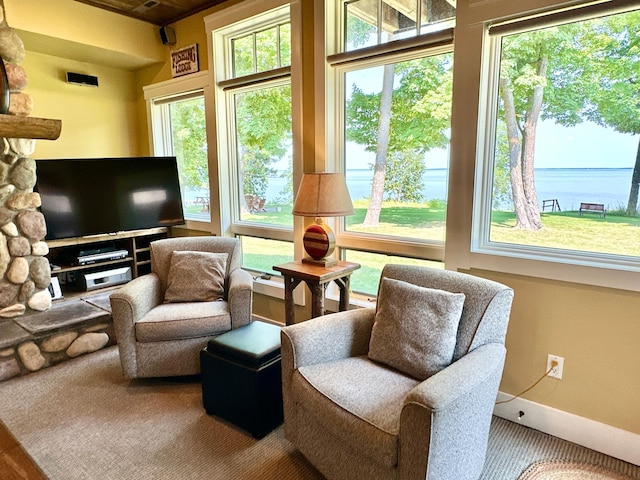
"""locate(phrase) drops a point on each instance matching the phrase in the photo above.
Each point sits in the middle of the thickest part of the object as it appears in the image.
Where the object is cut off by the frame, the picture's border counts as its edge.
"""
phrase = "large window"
(178, 120)
(254, 133)
(563, 166)
(394, 108)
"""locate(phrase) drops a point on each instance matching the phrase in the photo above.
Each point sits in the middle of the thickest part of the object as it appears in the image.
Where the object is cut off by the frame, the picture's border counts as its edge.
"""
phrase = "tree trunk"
(515, 150)
(528, 149)
(372, 218)
(632, 205)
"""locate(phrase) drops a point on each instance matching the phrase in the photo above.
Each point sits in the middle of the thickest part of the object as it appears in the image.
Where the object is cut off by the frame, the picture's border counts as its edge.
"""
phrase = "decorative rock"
(40, 301)
(6, 215)
(20, 104)
(95, 328)
(5, 258)
(23, 147)
(10, 229)
(8, 293)
(26, 290)
(24, 201)
(39, 248)
(40, 272)
(32, 224)
(23, 174)
(9, 158)
(59, 342)
(11, 47)
(8, 369)
(7, 352)
(17, 77)
(18, 271)
(31, 357)
(14, 310)
(18, 246)
(89, 342)
(4, 169)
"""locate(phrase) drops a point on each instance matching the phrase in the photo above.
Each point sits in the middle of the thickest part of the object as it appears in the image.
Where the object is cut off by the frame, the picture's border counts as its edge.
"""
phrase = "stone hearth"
(67, 330)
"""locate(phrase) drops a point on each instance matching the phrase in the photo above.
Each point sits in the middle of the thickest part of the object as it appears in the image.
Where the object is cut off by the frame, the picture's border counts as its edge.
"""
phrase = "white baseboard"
(597, 436)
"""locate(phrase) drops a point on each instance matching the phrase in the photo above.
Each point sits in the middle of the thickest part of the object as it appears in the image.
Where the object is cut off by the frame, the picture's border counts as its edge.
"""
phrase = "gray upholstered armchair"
(196, 290)
(402, 391)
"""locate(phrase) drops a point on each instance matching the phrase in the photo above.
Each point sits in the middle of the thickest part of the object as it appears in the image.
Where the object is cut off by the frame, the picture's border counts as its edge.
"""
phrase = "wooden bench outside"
(593, 208)
(552, 204)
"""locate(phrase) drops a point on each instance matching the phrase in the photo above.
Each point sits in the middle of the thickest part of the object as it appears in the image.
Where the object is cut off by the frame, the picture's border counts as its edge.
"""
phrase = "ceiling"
(157, 12)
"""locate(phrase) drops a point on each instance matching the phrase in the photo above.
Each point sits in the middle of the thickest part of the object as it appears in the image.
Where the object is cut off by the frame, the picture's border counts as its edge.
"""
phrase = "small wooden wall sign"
(185, 61)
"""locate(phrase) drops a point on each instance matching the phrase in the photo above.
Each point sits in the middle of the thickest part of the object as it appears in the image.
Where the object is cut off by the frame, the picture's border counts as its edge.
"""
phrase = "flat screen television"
(91, 196)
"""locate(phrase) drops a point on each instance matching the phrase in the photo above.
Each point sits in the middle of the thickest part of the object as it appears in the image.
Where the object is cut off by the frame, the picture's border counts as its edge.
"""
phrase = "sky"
(586, 145)
(583, 146)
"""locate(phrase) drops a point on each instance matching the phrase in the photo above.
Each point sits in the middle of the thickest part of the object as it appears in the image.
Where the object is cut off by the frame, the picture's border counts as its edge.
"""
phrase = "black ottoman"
(242, 377)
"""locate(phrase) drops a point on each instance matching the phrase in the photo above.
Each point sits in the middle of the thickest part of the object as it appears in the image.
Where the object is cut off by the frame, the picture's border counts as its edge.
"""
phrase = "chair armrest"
(135, 299)
(240, 297)
(445, 420)
(129, 304)
(327, 338)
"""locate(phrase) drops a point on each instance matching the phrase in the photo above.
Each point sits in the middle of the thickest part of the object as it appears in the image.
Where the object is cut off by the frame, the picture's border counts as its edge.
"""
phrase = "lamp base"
(319, 242)
(323, 262)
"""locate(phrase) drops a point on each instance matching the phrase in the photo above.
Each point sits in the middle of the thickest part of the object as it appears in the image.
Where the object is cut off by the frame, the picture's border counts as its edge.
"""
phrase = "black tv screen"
(91, 196)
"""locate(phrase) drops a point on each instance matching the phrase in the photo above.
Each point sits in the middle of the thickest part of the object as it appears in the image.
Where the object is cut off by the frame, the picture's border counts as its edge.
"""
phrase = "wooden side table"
(317, 278)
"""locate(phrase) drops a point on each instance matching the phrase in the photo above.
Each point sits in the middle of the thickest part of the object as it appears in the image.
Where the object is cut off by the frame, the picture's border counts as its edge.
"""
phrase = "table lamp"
(321, 195)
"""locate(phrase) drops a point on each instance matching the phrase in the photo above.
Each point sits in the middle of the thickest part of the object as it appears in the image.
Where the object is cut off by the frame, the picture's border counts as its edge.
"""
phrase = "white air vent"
(145, 6)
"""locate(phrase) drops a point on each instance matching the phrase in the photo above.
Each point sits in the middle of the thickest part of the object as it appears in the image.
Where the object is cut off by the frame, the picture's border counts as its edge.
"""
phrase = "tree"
(404, 176)
(413, 117)
(563, 73)
(190, 142)
(617, 67)
(263, 123)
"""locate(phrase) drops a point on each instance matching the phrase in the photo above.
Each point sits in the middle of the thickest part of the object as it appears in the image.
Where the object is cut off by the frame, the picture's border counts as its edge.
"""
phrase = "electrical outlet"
(555, 365)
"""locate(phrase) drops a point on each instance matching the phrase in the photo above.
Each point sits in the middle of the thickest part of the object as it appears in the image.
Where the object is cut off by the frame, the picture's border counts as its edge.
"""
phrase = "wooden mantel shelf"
(14, 126)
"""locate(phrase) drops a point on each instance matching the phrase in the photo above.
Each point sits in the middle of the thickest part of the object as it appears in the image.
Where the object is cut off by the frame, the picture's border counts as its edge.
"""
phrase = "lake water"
(570, 186)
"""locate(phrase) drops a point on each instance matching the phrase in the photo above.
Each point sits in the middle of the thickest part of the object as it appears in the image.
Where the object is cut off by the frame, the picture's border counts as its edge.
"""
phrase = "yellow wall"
(100, 121)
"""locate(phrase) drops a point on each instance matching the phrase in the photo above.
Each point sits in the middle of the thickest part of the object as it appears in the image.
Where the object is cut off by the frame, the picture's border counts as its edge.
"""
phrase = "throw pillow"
(415, 328)
(196, 277)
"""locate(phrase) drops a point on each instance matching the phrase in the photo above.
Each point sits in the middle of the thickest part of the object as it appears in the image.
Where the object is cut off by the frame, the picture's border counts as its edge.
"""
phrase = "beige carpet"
(81, 420)
(559, 470)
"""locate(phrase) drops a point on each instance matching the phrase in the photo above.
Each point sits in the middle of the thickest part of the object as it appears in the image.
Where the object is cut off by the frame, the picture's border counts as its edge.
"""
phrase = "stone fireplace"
(33, 335)
(24, 270)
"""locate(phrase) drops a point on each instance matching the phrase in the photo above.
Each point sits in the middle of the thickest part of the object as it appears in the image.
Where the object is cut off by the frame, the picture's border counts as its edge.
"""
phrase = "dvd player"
(108, 278)
(101, 257)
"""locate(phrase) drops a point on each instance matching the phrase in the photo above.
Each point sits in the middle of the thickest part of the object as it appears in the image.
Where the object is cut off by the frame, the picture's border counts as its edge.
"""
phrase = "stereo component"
(87, 258)
(107, 278)
(82, 79)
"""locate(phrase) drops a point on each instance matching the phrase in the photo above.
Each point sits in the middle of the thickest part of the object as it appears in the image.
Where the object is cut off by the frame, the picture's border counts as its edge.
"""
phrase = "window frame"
(337, 65)
(221, 28)
(159, 94)
(599, 269)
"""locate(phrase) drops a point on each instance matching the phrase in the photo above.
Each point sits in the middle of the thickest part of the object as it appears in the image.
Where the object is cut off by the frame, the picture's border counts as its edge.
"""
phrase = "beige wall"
(596, 330)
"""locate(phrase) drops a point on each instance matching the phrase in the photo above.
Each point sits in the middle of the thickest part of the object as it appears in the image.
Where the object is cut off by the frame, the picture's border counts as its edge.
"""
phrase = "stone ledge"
(61, 316)
(43, 339)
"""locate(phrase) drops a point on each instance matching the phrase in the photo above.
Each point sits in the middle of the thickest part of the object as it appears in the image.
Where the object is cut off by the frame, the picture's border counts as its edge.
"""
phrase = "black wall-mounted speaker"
(168, 36)
(81, 79)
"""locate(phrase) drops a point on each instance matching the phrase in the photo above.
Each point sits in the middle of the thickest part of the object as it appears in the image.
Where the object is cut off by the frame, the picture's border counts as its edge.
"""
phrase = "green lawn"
(564, 230)
(567, 230)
